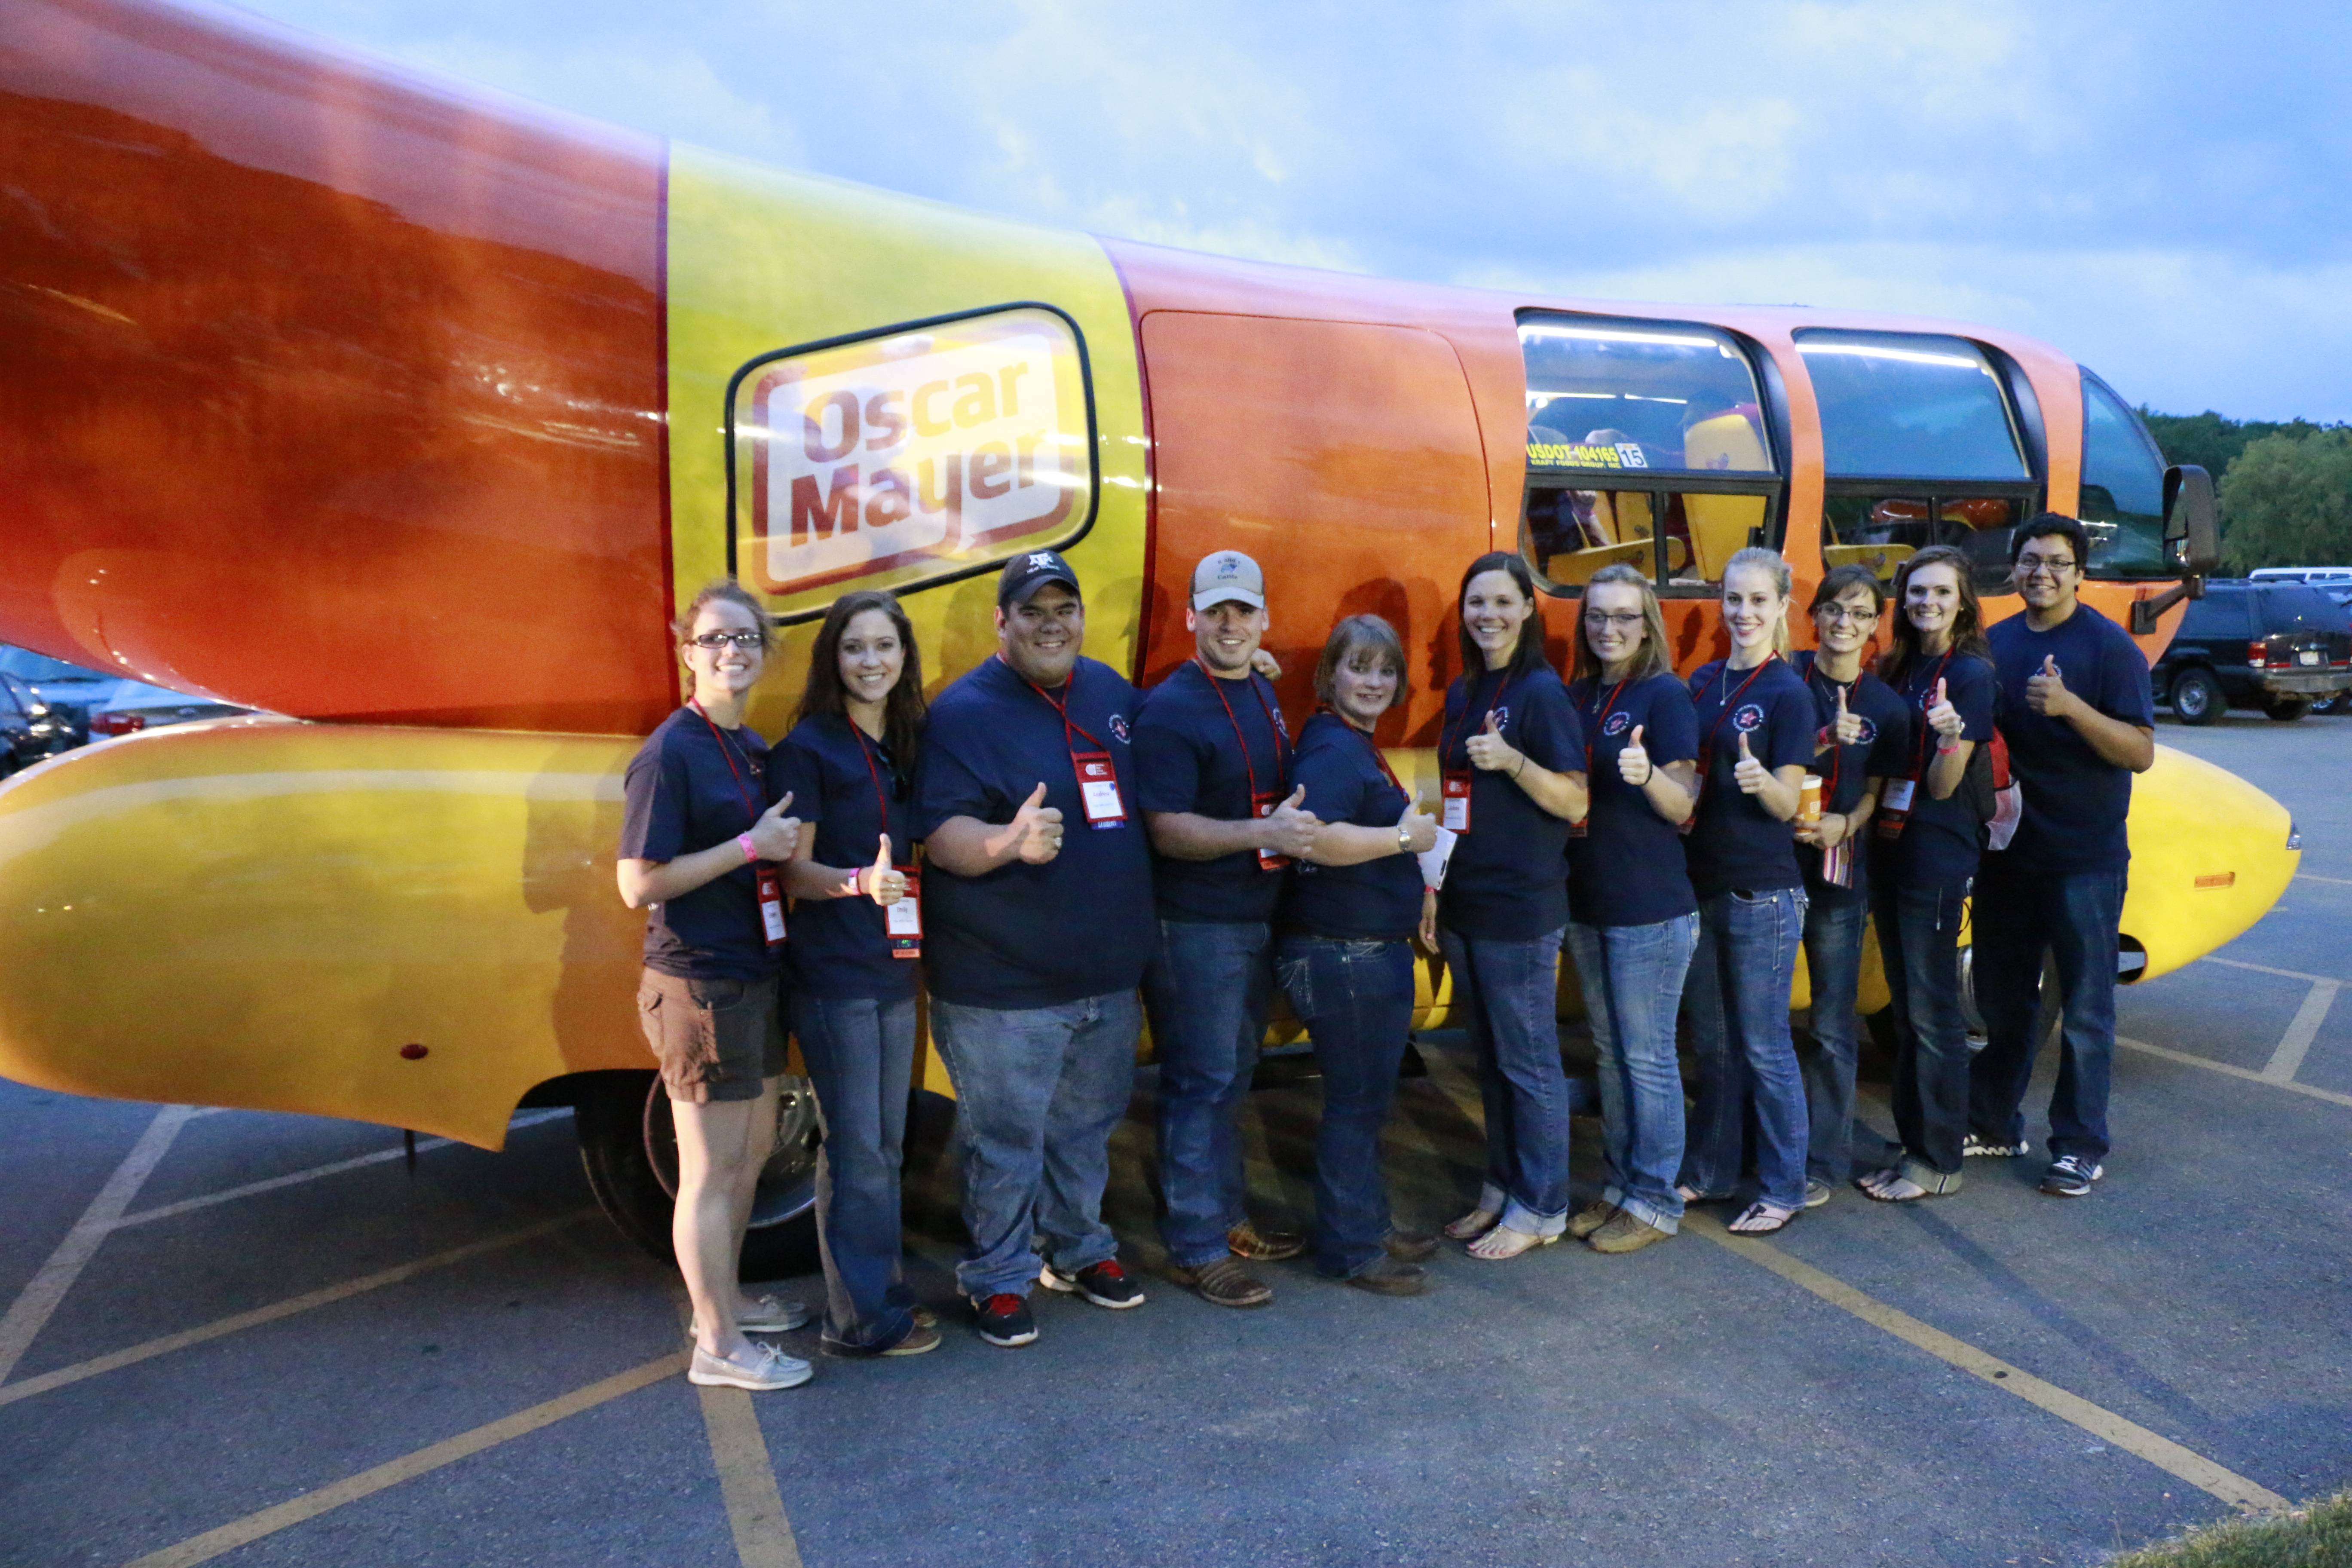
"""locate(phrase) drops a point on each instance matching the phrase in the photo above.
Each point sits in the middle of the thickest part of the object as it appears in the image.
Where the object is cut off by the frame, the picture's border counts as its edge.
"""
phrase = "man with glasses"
(2077, 714)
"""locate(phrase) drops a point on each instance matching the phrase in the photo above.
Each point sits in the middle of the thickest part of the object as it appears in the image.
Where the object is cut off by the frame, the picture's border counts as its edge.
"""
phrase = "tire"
(2196, 696)
(628, 1148)
(2047, 1022)
(2332, 703)
(2286, 709)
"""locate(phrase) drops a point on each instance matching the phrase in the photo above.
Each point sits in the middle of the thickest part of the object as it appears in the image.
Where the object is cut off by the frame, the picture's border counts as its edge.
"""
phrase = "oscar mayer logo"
(941, 446)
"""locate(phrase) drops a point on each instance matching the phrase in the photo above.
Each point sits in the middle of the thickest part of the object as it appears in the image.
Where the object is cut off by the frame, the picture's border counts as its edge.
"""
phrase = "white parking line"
(31, 1309)
(2210, 1065)
(2332, 882)
(2266, 969)
(227, 1194)
(2293, 1045)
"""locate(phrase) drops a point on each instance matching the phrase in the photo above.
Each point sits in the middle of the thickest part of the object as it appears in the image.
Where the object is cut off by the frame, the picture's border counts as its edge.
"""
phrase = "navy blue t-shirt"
(679, 796)
(1627, 869)
(2074, 802)
(1736, 842)
(1507, 881)
(1187, 759)
(1846, 770)
(1026, 936)
(1377, 900)
(1941, 838)
(840, 946)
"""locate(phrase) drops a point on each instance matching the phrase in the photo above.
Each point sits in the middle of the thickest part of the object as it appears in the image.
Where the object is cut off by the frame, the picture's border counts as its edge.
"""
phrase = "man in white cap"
(1213, 765)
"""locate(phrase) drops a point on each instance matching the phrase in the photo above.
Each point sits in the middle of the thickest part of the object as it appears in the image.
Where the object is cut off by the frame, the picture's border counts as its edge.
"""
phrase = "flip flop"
(1760, 1218)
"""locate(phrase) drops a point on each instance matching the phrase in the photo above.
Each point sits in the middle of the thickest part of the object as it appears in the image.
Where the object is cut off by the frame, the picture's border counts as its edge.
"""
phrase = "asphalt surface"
(1687, 1404)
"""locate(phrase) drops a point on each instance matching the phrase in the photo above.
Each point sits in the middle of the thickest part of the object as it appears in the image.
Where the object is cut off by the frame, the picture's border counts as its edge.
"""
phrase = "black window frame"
(2171, 571)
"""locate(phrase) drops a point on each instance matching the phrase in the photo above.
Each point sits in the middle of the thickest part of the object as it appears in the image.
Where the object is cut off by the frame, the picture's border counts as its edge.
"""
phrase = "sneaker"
(1410, 1245)
(1005, 1319)
(1387, 1277)
(920, 1339)
(770, 1368)
(1817, 1192)
(1264, 1246)
(2071, 1175)
(773, 1315)
(1223, 1283)
(1105, 1284)
(1626, 1233)
(1973, 1147)
(1591, 1218)
(926, 1319)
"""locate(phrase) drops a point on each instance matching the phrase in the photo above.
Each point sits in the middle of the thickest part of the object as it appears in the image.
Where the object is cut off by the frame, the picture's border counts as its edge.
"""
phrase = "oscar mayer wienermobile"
(412, 416)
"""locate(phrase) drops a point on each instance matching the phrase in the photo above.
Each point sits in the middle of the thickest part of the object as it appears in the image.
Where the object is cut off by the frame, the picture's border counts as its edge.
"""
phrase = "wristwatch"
(1404, 840)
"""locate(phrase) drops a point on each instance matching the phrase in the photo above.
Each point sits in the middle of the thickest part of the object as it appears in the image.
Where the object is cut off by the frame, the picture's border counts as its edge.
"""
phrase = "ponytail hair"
(1771, 561)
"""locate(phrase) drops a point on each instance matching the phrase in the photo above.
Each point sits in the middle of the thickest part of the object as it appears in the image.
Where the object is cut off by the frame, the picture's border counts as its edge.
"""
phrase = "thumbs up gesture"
(1489, 751)
(1942, 717)
(1633, 761)
(885, 883)
(1037, 835)
(1420, 829)
(775, 836)
(1749, 773)
(1289, 829)
(1849, 725)
(2046, 693)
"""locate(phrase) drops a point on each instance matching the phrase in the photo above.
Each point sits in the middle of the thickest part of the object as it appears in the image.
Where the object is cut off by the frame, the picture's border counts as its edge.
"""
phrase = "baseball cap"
(1025, 573)
(1228, 575)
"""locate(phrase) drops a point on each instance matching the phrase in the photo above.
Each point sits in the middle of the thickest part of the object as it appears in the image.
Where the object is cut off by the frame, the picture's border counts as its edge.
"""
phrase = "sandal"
(1502, 1242)
(1693, 1196)
(1760, 1218)
(1890, 1186)
(1473, 1224)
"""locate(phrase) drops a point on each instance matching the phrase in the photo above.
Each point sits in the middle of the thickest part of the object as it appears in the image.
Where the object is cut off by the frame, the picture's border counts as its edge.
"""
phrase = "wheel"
(628, 1147)
(2333, 702)
(2196, 696)
(2047, 1021)
(2286, 709)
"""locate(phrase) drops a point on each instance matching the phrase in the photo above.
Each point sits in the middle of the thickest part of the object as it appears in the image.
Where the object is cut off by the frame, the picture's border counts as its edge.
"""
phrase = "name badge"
(1580, 827)
(903, 922)
(1098, 790)
(772, 906)
(1894, 805)
(1268, 860)
(1456, 797)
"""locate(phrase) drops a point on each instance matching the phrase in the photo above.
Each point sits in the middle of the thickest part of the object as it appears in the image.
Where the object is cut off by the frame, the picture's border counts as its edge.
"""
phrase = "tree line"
(2285, 487)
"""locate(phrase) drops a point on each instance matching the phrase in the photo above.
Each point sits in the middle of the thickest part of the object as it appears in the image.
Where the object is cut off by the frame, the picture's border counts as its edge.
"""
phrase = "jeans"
(1510, 990)
(1833, 963)
(1356, 1000)
(2019, 914)
(1208, 991)
(1741, 977)
(1919, 938)
(1039, 1091)
(1632, 978)
(861, 1057)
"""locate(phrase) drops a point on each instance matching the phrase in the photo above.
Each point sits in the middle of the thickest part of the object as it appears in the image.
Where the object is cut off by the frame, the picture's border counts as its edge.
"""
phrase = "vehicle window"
(1911, 405)
(2222, 613)
(2123, 489)
(1646, 444)
(30, 665)
(2297, 608)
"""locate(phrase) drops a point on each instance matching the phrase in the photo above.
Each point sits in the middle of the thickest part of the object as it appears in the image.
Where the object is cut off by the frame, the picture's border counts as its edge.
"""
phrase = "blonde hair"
(1769, 561)
(1651, 659)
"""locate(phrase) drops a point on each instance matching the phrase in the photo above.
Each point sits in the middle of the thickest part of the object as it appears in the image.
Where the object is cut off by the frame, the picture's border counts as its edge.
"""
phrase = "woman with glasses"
(1924, 861)
(1345, 952)
(700, 851)
(1633, 918)
(1863, 729)
(1756, 737)
(1511, 755)
(856, 934)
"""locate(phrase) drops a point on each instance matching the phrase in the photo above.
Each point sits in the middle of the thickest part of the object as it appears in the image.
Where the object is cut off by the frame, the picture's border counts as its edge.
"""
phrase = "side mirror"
(2192, 526)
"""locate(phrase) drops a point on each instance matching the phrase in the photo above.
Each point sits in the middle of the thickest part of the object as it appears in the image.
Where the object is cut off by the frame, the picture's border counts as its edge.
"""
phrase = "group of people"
(1093, 856)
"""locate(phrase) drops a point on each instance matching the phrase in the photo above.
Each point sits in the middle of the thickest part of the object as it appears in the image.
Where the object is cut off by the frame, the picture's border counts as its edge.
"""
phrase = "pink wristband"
(744, 842)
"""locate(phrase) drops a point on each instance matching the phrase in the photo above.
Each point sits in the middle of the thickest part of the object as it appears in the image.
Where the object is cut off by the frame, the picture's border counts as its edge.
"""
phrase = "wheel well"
(573, 1086)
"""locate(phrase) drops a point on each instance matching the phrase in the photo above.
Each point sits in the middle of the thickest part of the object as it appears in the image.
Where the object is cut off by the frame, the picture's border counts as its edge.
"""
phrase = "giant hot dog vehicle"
(413, 415)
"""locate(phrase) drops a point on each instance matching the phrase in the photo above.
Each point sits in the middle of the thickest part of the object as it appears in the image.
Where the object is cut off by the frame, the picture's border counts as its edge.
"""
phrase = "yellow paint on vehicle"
(2209, 859)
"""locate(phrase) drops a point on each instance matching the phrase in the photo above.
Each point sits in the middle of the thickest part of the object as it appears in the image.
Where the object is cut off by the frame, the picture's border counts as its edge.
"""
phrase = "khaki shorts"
(716, 1040)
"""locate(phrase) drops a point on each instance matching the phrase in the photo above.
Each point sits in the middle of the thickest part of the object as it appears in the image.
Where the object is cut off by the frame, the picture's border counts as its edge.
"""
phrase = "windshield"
(1910, 404)
(24, 663)
(2123, 489)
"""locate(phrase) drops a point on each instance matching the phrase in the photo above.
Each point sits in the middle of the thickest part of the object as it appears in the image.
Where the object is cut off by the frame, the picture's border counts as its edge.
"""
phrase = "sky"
(2158, 189)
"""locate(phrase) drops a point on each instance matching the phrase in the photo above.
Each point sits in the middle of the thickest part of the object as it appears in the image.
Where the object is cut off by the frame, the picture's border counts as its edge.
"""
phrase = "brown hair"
(728, 591)
(1530, 651)
(1833, 587)
(1351, 634)
(903, 711)
(1650, 657)
(1968, 626)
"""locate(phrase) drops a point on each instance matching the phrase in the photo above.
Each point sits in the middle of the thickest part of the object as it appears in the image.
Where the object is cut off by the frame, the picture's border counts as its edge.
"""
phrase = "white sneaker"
(1973, 1147)
(771, 1368)
(773, 1315)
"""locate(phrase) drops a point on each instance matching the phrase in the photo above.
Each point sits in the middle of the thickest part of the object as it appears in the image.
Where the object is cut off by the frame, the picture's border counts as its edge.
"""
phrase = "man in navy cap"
(1037, 908)
(1213, 755)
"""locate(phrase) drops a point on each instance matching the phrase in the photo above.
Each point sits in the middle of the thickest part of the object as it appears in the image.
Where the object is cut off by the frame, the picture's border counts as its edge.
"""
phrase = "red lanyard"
(1061, 705)
(1602, 718)
(1444, 738)
(1712, 730)
(1248, 767)
(727, 750)
(1378, 760)
(1837, 747)
(1926, 689)
(881, 801)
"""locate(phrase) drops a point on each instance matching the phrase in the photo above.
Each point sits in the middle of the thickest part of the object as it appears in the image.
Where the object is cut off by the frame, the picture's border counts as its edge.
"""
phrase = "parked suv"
(2278, 647)
(29, 731)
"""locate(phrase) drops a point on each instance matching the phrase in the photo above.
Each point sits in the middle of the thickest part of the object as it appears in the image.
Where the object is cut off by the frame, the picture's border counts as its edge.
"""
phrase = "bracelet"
(857, 882)
(1945, 744)
(1521, 768)
(744, 842)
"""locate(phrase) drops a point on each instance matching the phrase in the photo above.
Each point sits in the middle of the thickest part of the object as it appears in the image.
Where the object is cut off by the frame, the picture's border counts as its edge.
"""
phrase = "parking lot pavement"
(253, 1339)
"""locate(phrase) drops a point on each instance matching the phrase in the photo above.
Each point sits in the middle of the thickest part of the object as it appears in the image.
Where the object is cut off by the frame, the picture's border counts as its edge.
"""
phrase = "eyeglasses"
(716, 640)
(1624, 620)
(1841, 613)
(2054, 564)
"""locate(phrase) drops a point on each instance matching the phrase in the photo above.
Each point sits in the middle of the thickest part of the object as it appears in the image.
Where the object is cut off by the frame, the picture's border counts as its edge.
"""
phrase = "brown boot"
(1626, 1234)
